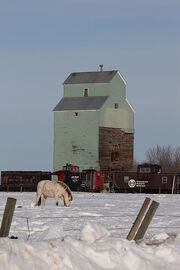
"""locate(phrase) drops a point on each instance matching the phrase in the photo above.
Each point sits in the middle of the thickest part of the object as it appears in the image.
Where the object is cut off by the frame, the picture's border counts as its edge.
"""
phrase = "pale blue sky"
(43, 41)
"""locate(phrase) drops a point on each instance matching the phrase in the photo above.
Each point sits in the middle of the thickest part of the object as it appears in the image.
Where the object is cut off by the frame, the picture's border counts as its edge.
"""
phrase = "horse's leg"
(38, 199)
(62, 198)
(39, 202)
(44, 199)
(56, 200)
(66, 201)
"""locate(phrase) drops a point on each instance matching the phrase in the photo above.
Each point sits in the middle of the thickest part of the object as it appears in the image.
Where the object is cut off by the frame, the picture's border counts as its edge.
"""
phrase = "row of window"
(145, 170)
(149, 170)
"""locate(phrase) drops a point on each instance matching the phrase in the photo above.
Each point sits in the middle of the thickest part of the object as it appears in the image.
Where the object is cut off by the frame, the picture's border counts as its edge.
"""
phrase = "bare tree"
(166, 156)
(135, 165)
(177, 160)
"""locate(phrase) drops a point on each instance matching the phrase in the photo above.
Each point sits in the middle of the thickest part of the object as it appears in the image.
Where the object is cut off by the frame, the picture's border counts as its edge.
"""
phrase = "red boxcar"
(92, 180)
(98, 181)
(71, 176)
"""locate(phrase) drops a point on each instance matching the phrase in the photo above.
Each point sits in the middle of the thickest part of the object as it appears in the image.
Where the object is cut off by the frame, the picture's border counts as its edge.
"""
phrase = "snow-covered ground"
(90, 234)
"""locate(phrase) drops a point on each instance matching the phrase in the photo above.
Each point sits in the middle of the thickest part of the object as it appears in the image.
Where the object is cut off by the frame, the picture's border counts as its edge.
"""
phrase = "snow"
(90, 234)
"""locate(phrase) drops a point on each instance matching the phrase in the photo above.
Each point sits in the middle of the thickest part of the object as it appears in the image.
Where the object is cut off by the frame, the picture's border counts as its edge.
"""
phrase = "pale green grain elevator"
(94, 122)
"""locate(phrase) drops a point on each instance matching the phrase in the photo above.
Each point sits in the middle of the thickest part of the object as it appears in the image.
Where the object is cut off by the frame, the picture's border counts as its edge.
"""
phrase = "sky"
(43, 41)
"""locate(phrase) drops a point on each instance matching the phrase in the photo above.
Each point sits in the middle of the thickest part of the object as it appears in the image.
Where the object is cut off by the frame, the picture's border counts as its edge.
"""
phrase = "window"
(126, 179)
(86, 92)
(145, 170)
(116, 105)
(114, 156)
(164, 180)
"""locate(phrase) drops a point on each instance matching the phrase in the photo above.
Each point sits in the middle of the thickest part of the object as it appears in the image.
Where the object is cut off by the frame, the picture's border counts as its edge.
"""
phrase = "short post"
(138, 219)
(7, 217)
(146, 221)
(173, 184)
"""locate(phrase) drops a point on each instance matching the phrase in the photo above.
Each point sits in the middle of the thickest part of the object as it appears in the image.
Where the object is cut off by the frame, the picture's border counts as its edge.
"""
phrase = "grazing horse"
(53, 189)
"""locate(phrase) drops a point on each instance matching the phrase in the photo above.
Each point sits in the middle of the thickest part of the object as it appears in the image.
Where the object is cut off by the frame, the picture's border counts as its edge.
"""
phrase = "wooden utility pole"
(173, 184)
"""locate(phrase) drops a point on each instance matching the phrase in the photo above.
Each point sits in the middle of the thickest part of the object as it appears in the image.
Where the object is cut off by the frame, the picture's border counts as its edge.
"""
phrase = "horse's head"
(66, 193)
(68, 198)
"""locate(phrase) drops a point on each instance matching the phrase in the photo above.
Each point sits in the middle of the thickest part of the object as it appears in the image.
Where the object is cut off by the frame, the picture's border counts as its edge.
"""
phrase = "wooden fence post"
(138, 219)
(146, 221)
(7, 217)
(173, 184)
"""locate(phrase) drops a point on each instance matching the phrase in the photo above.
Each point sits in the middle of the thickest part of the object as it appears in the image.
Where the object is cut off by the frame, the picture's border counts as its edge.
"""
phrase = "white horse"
(55, 190)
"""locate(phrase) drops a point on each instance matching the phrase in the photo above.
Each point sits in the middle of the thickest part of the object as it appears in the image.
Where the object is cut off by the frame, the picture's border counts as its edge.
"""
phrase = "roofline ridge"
(112, 72)
(86, 97)
(94, 71)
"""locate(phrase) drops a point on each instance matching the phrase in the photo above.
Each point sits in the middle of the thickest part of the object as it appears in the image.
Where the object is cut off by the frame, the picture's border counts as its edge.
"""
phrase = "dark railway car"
(22, 180)
(71, 176)
(147, 179)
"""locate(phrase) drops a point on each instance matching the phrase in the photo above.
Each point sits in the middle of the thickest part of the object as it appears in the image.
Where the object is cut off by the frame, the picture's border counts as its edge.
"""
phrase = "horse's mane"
(66, 188)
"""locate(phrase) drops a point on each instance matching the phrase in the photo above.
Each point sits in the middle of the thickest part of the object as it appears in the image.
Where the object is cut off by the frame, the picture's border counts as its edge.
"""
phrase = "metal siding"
(117, 87)
(76, 90)
(76, 139)
(123, 116)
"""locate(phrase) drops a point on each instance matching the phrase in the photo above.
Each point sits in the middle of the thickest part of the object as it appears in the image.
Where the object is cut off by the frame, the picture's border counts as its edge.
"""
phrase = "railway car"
(147, 179)
(22, 180)
(70, 175)
(87, 180)
(92, 180)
